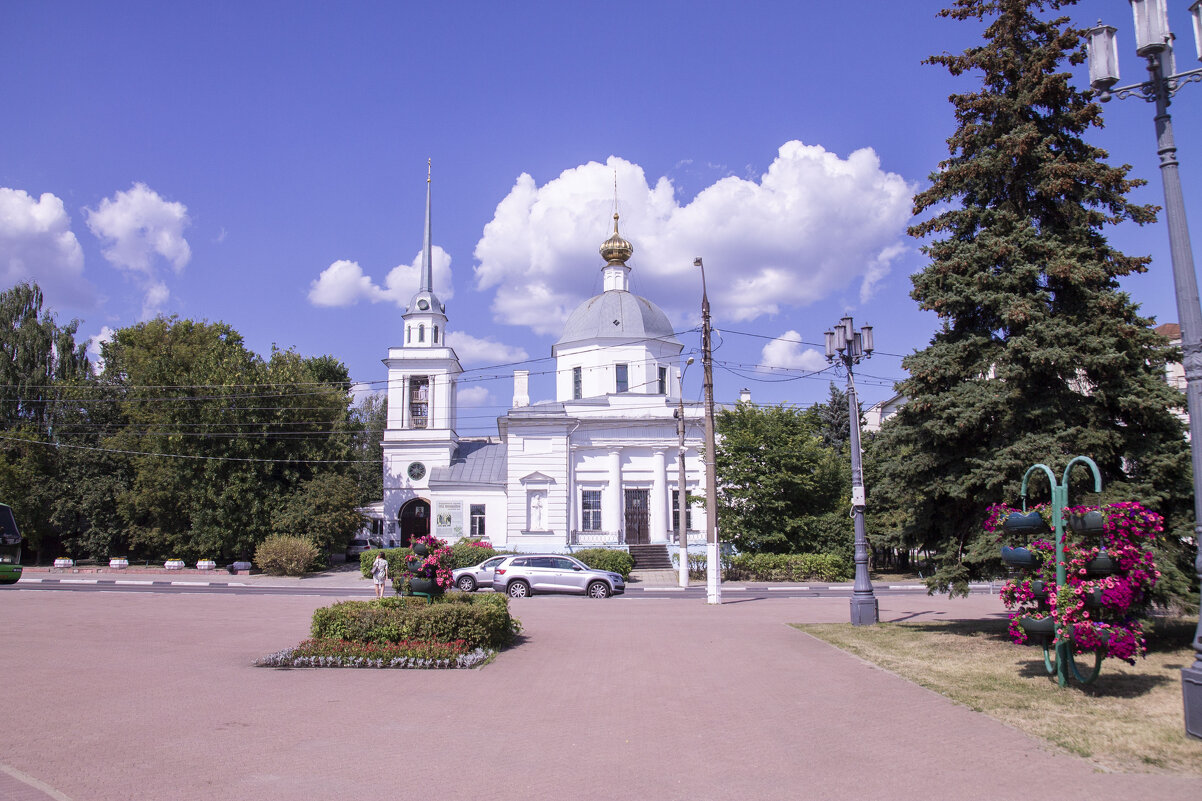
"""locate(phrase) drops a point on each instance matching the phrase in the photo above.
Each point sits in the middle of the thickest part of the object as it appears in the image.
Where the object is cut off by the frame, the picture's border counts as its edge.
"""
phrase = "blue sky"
(264, 164)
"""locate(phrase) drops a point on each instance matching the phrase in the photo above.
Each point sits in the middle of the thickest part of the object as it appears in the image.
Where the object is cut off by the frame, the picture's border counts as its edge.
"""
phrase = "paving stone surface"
(124, 695)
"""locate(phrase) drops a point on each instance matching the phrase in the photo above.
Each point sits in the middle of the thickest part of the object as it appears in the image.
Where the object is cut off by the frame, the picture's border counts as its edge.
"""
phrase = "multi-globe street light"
(1154, 42)
(851, 347)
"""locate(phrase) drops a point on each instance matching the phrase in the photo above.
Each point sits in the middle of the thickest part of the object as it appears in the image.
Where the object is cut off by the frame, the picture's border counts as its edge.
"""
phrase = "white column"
(611, 510)
(659, 508)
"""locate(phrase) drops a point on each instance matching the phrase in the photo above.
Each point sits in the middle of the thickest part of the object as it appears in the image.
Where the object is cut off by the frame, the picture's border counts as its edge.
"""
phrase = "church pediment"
(536, 478)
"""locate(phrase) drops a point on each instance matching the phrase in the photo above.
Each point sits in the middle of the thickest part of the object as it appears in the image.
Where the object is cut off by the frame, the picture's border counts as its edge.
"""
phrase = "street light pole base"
(865, 612)
(1191, 688)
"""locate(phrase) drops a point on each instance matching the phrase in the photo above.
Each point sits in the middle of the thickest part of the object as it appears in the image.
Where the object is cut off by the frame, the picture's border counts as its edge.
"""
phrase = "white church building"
(598, 466)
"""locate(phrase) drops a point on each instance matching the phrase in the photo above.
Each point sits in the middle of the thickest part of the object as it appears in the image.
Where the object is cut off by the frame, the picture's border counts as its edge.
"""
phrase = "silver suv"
(519, 576)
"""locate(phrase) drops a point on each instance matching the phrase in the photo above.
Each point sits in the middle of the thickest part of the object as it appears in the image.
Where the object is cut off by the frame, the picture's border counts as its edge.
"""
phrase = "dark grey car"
(519, 576)
(469, 579)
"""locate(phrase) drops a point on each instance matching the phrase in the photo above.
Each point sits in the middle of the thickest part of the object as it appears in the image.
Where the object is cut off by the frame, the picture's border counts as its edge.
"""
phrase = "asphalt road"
(633, 592)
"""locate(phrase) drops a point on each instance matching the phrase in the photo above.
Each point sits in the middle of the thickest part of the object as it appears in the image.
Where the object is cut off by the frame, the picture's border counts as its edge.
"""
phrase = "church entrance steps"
(651, 557)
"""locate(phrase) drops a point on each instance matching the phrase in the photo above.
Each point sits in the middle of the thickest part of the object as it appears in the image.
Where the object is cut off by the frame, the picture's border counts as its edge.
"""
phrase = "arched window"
(421, 333)
(408, 334)
(435, 335)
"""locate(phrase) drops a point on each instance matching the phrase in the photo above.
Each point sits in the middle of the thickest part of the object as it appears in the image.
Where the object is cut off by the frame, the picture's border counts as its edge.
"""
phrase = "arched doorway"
(415, 521)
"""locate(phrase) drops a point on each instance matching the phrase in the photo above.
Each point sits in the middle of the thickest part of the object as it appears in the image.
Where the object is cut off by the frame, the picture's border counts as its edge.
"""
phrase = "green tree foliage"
(39, 362)
(369, 418)
(221, 438)
(323, 510)
(1040, 356)
(779, 488)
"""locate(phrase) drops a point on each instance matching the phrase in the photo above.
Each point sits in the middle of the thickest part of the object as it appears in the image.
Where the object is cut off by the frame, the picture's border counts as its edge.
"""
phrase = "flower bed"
(1099, 611)
(350, 654)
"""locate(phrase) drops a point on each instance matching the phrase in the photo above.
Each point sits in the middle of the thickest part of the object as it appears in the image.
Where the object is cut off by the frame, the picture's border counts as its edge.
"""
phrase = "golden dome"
(616, 250)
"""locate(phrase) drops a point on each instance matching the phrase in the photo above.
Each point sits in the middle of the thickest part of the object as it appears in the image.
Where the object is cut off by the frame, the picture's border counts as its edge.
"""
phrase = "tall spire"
(427, 259)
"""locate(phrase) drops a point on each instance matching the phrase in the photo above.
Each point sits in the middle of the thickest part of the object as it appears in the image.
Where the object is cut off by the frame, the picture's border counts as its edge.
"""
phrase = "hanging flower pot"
(425, 586)
(420, 549)
(1039, 590)
(1089, 524)
(1021, 558)
(1101, 565)
(1038, 629)
(1024, 524)
(1093, 598)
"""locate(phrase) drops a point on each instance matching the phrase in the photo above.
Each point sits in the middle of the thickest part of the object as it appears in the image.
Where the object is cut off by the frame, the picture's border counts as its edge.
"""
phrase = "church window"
(408, 334)
(688, 513)
(590, 510)
(421, 333)
(662, 389)
(419, 402)
(435, 335)
(577, 383)
(477, 516)
(623, 379)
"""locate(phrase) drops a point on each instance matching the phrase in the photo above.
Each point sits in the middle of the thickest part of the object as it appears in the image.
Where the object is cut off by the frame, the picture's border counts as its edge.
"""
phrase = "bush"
(286, 555)
(482, 621)
(466, 553)
(607, 559)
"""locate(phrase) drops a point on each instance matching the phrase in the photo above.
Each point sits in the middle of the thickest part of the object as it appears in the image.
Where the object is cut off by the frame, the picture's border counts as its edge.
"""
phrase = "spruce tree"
(1040, 356)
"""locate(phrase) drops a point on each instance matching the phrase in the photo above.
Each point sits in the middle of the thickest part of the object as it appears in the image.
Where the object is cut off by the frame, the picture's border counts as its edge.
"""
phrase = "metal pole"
(1189, 315)
(713, 568)
(864, 608)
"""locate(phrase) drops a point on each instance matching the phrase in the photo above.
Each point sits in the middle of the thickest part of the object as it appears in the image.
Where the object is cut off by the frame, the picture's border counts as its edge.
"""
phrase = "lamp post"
(1154, 42)
(682, 532)
(713, 568)
(850, 347)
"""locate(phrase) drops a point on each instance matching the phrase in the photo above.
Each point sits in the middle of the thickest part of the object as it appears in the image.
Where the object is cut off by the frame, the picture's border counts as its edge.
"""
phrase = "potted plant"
(206, 564)
(1025, 524)
(174, 564)
(64, 561)
(118, 562)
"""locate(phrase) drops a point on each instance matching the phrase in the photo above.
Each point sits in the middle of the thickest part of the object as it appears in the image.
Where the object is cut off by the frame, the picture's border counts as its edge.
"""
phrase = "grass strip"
(1129, 720)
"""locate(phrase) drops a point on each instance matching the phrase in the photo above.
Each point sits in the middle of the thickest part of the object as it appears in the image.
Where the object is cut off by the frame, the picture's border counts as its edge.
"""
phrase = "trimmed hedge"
(483, 621)
(395, 556)
(607, 559)
(776, 567)
(788, 567)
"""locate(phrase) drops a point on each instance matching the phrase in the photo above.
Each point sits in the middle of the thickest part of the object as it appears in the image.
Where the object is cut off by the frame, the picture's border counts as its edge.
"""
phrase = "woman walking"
(379, 573)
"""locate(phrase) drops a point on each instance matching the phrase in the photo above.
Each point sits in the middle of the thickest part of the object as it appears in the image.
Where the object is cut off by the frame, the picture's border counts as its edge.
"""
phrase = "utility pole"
(682, 495)
(849, 347)
(713, 567)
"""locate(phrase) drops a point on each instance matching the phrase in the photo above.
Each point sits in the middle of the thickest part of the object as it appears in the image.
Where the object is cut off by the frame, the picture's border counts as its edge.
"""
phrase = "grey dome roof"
(617, 314)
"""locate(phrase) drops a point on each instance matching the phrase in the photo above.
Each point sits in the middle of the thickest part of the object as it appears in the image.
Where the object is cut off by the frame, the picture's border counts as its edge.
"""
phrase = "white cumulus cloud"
(473, 397)
(38, 245)
(344, 283)
(94, 343)
(810, 226)
(786, 351)
(472, 350)
(141, 231)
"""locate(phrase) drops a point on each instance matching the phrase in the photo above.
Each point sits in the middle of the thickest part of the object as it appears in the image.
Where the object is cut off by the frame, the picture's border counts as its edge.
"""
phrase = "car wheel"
(598, 589)
(466, 583)
(518, 589)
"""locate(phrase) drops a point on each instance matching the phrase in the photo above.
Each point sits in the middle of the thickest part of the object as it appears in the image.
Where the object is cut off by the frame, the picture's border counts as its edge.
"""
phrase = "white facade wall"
(599, 375)
(461, 500)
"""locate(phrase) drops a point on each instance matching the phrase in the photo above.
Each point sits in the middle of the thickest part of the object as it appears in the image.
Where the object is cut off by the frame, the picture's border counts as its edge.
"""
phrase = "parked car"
(356, 547)
(519, 576)
(469, 579)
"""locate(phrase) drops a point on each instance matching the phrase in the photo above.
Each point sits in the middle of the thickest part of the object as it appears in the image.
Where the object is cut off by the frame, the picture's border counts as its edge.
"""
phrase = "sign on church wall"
(448, 522)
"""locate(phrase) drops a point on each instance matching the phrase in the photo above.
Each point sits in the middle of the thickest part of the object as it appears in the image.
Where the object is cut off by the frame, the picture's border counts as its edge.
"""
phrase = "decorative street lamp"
(682, 530)
(1154, 42)
(713, 568)
(850, 347)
